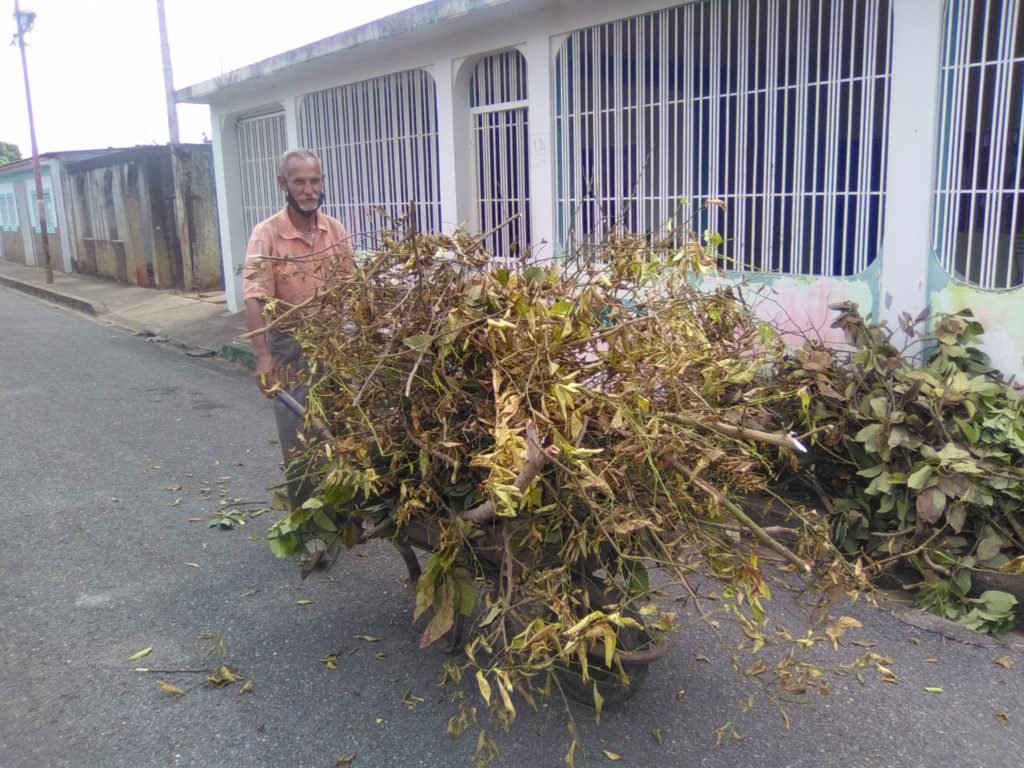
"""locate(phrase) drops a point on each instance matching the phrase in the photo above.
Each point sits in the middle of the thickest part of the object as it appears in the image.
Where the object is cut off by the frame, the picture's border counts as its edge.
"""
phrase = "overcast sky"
(95, 67)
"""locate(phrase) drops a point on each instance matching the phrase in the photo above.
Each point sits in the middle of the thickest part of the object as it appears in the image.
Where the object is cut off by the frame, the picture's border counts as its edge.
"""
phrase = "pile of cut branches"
(597, 415)
(919, 457)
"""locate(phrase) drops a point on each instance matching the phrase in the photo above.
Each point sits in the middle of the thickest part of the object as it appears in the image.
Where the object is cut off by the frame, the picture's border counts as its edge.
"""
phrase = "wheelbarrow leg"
(412, 565)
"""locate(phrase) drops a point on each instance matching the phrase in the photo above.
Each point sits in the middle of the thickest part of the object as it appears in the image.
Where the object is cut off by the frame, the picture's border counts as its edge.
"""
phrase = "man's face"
(304, 180)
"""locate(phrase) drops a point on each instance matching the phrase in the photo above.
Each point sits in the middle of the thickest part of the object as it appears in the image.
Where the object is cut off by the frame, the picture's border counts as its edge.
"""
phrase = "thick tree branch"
(739, 514)
(536, 457)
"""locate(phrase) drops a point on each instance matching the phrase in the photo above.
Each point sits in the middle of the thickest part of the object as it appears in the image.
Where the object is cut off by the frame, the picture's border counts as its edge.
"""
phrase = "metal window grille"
(261, 142)
(777, 107)
(33, 208)
(8, 211)
(377, 140)
(501, 135)
(978, 230)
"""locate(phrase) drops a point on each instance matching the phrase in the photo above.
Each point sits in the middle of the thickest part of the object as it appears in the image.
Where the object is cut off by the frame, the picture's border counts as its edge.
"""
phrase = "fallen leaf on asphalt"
(886, 674)
(368, 638)
(1005, 661)
(224, 676)
(173, 488)
(933, 690)
(785, 719)
(249, 592)
(701, 657)
(380, 655)
(193, 519)
(755, 669)
(681, 695)
(611, 755)
(914, 640)
(168, 688)
(932, 659)
(347, 760)
(1002, 717)
(656, 735)
(331, 660)
(139, 654)
(193, 565)
(305, 601)
(838, 629)
(247, 688)
(410, 699)
(177, 501)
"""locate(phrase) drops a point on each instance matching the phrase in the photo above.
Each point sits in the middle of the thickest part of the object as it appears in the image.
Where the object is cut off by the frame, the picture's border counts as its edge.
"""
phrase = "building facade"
(864, 150)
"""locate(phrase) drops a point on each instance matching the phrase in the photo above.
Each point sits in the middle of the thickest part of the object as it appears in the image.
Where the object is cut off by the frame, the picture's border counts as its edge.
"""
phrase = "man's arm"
(258, 283)
(265, 368)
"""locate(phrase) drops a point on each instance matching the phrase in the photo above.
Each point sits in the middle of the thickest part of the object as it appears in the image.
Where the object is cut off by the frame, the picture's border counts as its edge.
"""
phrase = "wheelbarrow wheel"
(613, 685)
(635, 650)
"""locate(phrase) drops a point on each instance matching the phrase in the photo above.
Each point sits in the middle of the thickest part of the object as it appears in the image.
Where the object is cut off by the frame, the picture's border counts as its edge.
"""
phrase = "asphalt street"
(115, 451)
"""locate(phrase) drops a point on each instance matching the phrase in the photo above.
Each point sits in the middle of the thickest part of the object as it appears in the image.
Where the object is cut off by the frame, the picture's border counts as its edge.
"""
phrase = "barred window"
(378, 143)
(261, 142)
(501, 135)
(978, 230)
(779, 108)
(8, 212)
(33, 208)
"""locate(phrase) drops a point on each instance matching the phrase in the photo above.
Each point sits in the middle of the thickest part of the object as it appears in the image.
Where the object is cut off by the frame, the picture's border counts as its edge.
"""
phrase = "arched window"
(779, 110)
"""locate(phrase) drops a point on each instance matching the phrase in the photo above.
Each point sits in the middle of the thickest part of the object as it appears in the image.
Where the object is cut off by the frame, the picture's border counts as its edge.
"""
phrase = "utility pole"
(180, 190)
(24, 22)
(165, 54)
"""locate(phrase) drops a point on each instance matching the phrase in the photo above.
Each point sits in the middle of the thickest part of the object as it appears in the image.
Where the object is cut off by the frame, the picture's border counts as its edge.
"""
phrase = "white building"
(866, 149)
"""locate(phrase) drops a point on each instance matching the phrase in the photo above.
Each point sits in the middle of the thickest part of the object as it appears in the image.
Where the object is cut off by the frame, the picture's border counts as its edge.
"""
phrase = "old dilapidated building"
(143, 215)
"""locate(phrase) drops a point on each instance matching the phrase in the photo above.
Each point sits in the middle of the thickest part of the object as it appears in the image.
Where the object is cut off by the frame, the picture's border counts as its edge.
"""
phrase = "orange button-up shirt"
(281, 264)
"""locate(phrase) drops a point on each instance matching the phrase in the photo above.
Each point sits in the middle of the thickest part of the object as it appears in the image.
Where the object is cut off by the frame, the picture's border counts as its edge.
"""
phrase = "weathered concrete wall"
(123, 213)
(102, 225)
(198, 227)
(13, 247)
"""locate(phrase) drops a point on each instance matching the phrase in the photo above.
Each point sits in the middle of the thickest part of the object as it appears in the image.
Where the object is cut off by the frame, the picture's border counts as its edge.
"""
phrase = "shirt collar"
(288, 230)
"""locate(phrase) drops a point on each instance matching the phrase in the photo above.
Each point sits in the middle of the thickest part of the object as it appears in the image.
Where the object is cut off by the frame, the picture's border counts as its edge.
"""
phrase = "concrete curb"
(238, 352)
(69, 300)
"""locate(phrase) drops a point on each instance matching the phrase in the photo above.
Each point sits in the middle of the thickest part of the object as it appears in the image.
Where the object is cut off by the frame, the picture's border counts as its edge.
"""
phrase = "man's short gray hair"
(300, 153)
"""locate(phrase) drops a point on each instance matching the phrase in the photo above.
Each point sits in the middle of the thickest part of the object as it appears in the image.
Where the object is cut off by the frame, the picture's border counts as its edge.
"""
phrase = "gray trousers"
(287, 354)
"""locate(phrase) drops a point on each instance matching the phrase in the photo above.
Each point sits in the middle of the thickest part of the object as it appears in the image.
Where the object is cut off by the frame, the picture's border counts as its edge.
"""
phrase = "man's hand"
(267, 375)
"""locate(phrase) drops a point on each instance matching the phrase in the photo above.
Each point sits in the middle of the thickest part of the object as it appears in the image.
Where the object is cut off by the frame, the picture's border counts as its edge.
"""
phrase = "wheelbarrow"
(636, 647)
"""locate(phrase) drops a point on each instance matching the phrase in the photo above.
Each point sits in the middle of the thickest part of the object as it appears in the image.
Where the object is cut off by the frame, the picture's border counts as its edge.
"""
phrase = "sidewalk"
(198, 322)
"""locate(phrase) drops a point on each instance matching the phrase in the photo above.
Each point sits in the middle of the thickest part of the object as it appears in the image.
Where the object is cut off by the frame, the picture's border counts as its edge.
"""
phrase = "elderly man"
(289, 257)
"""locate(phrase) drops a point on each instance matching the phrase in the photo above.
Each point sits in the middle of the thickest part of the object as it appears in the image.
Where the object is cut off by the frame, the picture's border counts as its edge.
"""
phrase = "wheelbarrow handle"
(297, 408)
(292, 404)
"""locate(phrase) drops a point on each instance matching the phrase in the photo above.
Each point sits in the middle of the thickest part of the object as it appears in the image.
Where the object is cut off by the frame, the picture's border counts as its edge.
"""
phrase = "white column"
(61, 215)
(291, 121)
(227, 173)
(910, 172)
(539, 81)
(448, 111)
